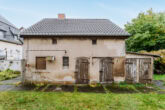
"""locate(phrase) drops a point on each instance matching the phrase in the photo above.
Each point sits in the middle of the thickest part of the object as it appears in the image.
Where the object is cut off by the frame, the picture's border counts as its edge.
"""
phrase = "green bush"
(8, 74)
(159, 67)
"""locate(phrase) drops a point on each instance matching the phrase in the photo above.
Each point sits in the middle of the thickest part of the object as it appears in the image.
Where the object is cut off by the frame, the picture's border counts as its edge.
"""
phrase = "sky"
(27, 12)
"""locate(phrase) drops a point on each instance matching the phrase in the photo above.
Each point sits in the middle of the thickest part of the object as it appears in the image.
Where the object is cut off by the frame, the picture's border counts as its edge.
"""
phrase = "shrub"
(159, 66)
(8, 74)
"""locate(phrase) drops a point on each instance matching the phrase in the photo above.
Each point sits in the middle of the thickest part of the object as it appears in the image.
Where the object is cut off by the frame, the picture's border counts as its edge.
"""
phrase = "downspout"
(6, 53)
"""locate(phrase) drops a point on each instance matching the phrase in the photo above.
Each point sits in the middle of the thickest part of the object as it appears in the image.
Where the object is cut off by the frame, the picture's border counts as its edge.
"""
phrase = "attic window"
(54, 41)
(94, 42)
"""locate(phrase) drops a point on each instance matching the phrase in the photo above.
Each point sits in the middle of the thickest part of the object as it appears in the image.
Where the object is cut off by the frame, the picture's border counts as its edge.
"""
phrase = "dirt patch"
(114, 88)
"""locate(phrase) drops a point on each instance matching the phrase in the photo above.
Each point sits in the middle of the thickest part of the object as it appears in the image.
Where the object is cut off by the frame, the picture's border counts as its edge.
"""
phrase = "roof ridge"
(74, 26)
(78, 18)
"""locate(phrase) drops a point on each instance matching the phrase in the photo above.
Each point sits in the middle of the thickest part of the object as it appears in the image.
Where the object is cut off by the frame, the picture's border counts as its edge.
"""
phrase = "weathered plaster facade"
(73, 48)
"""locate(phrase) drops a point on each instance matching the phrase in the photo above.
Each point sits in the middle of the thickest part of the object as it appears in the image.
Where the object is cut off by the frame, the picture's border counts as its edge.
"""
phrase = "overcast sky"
(27, 12)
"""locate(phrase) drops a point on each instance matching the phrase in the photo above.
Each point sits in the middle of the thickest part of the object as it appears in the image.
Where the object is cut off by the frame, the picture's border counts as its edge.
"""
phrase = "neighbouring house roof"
(74, 27)
(5, 21)
(143, 54)
(10, 32)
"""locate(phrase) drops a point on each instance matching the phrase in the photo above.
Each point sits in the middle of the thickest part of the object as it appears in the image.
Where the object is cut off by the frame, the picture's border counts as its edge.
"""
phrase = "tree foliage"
(147, 32)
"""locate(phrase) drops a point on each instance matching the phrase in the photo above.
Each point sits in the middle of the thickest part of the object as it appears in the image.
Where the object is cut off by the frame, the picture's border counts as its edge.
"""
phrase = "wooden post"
(137, 70)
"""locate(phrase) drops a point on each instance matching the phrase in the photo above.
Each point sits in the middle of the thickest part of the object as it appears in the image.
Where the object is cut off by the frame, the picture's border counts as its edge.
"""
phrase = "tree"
(147, 32)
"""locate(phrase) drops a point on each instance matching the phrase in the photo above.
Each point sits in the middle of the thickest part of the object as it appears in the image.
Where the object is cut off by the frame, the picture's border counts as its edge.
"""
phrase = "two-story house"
(69, 51)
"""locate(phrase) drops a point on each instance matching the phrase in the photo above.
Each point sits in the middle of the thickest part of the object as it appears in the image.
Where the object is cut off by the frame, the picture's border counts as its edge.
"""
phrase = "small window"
(41, 63)
(94, 42)
(54, 41)
(65, 62)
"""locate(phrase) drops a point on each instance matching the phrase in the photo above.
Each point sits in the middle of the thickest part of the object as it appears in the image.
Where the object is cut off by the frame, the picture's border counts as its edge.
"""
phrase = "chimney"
(61, 16)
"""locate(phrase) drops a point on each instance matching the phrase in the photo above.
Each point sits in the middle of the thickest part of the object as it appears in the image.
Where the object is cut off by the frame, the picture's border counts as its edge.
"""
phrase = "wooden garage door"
(119, 67)
(131, 70)
(82, 71)
(138, 70)
(145, 70)
(106, 70)
(41, 63)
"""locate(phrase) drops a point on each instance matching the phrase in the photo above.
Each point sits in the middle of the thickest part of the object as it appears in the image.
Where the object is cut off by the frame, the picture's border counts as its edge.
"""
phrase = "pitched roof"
(5, 21)
(74, 27)
(10, 32)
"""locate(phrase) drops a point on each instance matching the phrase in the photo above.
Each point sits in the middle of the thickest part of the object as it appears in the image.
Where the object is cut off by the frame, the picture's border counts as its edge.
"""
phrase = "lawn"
(120, 96)
(159, 77)
(33, 100)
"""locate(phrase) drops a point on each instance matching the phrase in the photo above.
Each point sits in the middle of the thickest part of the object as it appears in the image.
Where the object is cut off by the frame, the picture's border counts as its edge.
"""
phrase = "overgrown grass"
(130, 88)
(80, 101)
(159, 77)
(121, 96)
(8, 74)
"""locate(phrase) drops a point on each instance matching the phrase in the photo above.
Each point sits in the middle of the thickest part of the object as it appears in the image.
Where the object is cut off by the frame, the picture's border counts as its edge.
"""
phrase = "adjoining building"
(10, 46)
(139, 67)
(10, 42)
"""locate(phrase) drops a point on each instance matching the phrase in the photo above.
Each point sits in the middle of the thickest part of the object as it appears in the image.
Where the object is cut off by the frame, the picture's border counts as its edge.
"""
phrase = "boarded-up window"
(54, 41)
(41, 63)
(65, 62)
(94, 42)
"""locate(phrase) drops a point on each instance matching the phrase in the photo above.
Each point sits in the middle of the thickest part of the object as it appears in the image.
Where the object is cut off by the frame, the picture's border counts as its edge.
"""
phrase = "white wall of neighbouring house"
(11, 50)
(11, 64)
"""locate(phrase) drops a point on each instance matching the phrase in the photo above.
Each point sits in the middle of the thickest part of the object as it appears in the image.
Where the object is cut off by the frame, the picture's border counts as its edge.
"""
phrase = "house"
(10, 42)
(69, 51)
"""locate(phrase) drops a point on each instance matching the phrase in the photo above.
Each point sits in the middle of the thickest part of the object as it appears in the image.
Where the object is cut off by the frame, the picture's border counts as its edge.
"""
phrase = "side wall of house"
(13, 51)
(74, 47)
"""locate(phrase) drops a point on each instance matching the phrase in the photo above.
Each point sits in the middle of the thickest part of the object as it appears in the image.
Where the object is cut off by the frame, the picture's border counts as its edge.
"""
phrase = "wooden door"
(145, 70)
(82, 71)
(131, 70)
(106, 70)
(119, 67)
